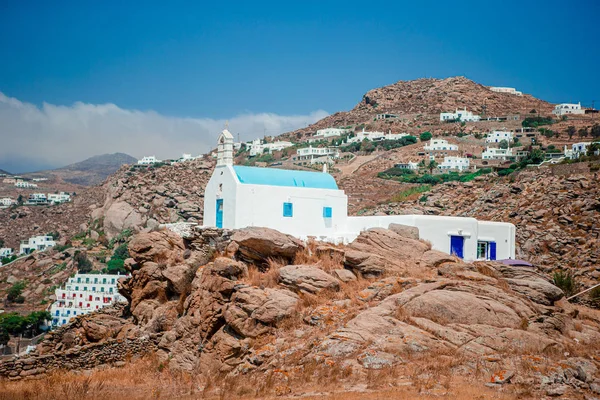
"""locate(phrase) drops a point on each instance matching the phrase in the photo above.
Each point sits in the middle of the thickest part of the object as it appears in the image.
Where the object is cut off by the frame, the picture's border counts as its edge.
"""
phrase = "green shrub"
(84, 265)
(565, 281)
(425, 136)
(534, 122)
(411, 193)
(14, 293)
(116, 265)
(505, 172)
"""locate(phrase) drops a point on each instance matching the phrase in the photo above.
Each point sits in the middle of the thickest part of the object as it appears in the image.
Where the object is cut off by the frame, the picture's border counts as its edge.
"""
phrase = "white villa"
(148, 160)
(413, 166)
(568, 108)
(492, 153)
(459, 115)
(57, 198)
(328, 133)
(498, 136)
(256, 147)
(315, 155)
(5, 252)
(385, 116)
(25, 185)
(577, 150)
(10, 181)
(36, 243)
(84, 293)
(310, 204)
(454, 164)
(439, 145)
(375, 136)
(37, 198)
(509, 90)
(7, 202)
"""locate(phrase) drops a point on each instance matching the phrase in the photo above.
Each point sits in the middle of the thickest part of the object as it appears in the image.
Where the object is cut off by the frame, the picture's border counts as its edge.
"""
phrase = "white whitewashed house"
(568, 108)
(6, 252)
(413, 166)
(492, 153)
(315, 155)
(257, 147)
(375, 136)
(148, 160)
(25, 185)
(328, 133)
(7, 202)
(577, 150)
(84, 293)
(509, 90)
(310, 204)
(36, 243)
(454, 164)
(459, 115)
(439, 145)
(57, 198)
(498, 136)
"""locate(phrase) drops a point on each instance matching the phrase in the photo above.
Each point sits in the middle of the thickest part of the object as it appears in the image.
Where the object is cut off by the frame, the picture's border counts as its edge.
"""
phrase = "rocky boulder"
(307, 278)
(256, 244)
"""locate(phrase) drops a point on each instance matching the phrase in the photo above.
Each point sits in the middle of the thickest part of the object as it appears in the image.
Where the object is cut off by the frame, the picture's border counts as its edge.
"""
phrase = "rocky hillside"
(144, 198)
(419, 102)
(90, 172)
(257, 310)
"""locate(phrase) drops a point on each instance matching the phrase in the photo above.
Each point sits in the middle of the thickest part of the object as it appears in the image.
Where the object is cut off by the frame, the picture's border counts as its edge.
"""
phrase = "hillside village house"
(567, 108)
(37, 199)
(9, 181)
(385, 116)
(84, 293)
(148, 160)
(439, 145)
(459, 115)
(375, 136)
(57, 198)
(310, 204)
(256, 147)
(454, 164)
(328, 133)
(36, 243)
(491, 153)
(577, 150)
(498, 136)
(25, 185)
(7, 202)
(509, 90)
(315, 155)
(413, 166)
(5, 252)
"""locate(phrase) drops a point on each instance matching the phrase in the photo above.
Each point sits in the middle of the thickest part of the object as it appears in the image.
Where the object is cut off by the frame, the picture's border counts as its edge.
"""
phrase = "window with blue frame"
(288, 210)
(327, 212)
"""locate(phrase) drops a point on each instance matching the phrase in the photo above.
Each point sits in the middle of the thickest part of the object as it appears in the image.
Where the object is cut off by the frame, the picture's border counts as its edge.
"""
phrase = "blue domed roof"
(284, 177)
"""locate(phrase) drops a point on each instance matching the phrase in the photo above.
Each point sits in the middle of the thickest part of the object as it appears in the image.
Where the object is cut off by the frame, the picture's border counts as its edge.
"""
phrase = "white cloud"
(59, 135)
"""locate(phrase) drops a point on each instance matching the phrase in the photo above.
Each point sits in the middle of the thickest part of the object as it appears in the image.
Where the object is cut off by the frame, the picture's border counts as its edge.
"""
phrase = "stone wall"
(569, 169)
(111, 351)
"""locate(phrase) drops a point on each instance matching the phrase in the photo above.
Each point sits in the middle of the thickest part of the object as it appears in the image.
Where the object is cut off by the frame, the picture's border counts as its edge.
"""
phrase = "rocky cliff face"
(255, 301)
(144, 198)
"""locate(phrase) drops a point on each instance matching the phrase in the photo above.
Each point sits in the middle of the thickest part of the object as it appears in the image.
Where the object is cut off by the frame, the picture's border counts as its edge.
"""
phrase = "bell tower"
(225, 149)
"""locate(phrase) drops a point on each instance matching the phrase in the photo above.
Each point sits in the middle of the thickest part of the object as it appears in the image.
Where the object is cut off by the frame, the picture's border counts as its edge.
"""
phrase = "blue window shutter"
(492, 250)
(288, 210)
(456, 246)
(327, 212)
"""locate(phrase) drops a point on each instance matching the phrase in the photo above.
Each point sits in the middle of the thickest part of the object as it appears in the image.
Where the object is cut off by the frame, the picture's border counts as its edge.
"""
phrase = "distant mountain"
(90, 172)
(4, 172)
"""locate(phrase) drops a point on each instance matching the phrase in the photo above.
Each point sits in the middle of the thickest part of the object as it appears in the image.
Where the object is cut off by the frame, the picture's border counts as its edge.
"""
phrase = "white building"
(509, 90)
(492, 153)
(57, 198)
(83, 294)
(498, 136)
(256, 147)
(25, 185)
(39, 179)
(385, 116)
(37, 199)
(310, 204)
(454, 164)
(440, 145)
(375, 136)
(413, 166)
(148, 160)
(577, 150)
(10, 181)
(36, 243)
(315, 155)
(459, 115)
(7, 202)
(6, 252)
(568, 108)
(328, 133)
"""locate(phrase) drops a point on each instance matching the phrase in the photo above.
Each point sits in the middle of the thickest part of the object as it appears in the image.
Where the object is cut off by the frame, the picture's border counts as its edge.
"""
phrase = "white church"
(310, 204)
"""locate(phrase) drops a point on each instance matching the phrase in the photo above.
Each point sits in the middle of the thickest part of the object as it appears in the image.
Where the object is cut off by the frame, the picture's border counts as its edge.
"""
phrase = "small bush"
(566, 282)
(14, 293)
(411, 194)
(505, 172)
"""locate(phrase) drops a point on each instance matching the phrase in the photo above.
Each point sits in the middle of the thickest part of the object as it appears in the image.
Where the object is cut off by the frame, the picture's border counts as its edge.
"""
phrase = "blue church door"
(456, 246)
(492, 250)
(219, 213)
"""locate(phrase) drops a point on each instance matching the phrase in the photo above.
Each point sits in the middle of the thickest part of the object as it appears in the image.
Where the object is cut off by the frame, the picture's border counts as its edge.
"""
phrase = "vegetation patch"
(412, 193)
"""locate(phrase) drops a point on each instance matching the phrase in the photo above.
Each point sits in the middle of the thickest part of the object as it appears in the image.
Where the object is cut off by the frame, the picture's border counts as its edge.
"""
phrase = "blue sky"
(219, 61)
